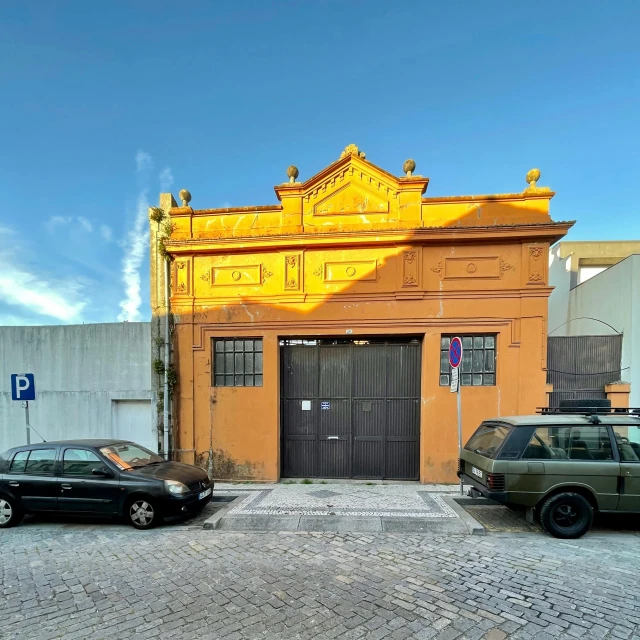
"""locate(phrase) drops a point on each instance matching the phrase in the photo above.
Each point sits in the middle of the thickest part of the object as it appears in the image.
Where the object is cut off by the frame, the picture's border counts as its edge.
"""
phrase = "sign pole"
(26, 413)
(455, 360)
(23, 388)
(460, 432)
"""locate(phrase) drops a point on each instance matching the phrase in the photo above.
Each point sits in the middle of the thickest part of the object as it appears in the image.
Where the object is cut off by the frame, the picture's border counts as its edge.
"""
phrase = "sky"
(107, 103)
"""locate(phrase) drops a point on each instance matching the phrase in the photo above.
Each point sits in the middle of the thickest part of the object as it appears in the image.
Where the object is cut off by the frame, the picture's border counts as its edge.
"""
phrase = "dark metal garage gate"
(351, 408)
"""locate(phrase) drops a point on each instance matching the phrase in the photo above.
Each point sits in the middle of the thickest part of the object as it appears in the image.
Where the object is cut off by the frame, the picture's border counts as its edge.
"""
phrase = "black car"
(98, 477)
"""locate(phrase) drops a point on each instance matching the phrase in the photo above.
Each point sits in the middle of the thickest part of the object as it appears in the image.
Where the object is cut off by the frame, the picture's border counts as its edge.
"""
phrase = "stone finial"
(185, 196)
(293, 173)
(352, 150)
(532, 178)
(409, 167)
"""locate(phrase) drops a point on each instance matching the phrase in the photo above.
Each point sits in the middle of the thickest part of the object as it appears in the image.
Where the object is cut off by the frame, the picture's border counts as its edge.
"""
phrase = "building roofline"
(547, 231)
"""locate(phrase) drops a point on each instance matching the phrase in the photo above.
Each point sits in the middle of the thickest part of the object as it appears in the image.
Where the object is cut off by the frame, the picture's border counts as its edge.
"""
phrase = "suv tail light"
(460, 466)
(496, 482)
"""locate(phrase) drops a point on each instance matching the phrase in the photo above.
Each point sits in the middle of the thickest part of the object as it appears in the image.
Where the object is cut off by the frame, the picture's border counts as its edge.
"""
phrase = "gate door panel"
(300, 373)
(351, 409)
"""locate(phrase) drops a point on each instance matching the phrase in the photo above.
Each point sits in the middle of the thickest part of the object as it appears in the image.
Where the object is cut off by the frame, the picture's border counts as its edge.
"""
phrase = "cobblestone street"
(110, 581)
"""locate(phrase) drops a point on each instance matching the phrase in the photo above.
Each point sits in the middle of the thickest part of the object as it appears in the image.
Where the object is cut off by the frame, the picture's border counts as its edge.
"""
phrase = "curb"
(473, 526)
(213, 521)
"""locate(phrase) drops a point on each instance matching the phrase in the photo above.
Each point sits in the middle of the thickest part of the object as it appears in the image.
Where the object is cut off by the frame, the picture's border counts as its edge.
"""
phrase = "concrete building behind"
(597, 293)
(92, 381)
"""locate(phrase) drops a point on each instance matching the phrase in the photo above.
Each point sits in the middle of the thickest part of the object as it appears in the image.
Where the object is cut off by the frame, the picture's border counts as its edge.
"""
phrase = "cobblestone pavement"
(110, 581)
(399, 500)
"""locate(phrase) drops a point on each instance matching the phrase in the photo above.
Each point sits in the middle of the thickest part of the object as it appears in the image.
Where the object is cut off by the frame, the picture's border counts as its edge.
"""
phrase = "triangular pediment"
(352, 187)
(356, 197)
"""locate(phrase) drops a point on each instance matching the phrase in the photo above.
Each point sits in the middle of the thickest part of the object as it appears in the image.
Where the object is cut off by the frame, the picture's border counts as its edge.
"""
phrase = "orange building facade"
(310, 336)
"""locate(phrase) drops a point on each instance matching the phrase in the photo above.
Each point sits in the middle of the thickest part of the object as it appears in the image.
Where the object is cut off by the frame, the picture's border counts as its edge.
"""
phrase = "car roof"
(559, 419)
(86, 442)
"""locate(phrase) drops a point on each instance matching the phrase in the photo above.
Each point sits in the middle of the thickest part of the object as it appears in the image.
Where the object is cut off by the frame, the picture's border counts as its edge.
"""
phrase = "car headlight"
(175, 487)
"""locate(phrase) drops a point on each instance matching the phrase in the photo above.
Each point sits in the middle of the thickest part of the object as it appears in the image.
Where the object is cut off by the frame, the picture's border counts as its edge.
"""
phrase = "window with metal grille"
(237, 362)
(478, 366)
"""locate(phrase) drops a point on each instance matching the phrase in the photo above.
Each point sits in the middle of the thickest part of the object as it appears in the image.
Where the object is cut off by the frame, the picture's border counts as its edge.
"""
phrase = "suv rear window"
(487, 439)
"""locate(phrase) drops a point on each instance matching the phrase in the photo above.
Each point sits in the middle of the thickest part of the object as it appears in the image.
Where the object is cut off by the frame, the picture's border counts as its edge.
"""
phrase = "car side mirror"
(101, 472)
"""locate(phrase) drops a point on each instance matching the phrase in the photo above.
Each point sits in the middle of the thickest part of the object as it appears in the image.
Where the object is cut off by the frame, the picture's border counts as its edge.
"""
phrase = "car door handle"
(14, 484)
(66, 486)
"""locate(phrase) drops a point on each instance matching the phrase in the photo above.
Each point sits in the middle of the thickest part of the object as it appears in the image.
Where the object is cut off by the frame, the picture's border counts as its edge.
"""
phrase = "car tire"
(142, 513)
(10, 513)
(566, 515)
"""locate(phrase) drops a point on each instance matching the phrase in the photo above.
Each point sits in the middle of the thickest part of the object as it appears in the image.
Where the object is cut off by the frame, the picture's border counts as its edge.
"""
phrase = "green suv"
(563, 466)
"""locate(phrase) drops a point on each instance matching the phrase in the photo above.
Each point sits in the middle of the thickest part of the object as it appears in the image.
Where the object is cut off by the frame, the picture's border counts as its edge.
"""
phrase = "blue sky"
(106, 103)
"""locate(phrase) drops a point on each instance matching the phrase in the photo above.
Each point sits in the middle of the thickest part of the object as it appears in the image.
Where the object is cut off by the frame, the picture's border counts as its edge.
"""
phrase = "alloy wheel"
(565, 515)
(141, 513)
(5, 511)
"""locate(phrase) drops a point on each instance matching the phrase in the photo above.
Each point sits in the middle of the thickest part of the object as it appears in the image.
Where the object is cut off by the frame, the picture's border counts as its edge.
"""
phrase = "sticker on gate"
(325, 405)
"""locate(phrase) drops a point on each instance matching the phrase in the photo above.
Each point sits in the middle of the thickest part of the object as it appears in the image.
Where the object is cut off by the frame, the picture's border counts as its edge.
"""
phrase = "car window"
(80, 462)
(19, 462)
(487, 439)
(570, 443)
(628, 441)
(129, 456)
(41, 461)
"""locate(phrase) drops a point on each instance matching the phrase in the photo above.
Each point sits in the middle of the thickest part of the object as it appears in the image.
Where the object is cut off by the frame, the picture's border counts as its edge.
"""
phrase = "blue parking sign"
(23, 386)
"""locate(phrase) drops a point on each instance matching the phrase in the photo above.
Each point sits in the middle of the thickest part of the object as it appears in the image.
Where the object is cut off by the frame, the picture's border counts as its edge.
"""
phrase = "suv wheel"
(142, 513)
(566, 515)
(10, 514)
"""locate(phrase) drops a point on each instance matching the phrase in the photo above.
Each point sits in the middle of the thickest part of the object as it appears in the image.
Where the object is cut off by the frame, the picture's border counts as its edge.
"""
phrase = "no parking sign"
(455, 358)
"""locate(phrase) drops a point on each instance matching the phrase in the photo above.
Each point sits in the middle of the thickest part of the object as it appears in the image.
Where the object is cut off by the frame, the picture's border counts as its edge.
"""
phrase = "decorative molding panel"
(463, 268)
(537, 271)
(351, 200)
(292, 271)
(182, 278)
(351, 271)
(236, 276)
(485, 267)
(411, 268)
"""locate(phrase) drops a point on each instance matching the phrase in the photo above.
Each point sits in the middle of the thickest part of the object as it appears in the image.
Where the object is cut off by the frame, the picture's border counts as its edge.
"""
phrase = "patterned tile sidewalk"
(343, 499)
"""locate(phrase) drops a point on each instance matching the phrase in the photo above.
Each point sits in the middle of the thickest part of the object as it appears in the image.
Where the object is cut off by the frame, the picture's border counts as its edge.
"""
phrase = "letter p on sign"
(23, 386)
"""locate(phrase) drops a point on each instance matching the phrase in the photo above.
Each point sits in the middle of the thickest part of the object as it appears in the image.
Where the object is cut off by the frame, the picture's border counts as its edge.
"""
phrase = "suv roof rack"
(634, 412)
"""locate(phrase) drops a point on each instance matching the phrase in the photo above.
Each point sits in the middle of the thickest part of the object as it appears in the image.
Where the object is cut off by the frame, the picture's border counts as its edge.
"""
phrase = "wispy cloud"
(135, 250)
(143, 161)
(38, 293)
(136, 245)
(58, 221)
(63, 221)
(106, 232)
(166, 179)
(85, 224)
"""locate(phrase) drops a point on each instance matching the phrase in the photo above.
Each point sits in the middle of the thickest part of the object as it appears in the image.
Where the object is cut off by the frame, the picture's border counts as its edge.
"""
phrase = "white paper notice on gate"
(455, 377)
(306, 405)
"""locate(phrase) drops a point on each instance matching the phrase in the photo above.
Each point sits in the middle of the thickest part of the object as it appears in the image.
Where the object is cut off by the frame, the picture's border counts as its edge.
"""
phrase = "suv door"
(627, 439)
(579, 455)
(80, 491)
(31, 478)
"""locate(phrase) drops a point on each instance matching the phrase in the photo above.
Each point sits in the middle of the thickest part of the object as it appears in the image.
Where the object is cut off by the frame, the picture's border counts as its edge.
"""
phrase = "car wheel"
(10, 514)
(142, 513)
(566, 515)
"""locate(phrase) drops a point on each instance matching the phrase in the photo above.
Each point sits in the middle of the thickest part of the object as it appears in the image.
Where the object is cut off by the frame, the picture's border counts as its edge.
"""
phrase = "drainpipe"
(167, 337)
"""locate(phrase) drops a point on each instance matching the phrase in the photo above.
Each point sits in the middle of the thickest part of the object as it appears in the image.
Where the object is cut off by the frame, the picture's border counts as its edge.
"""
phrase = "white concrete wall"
(612, 296)
(560, 279)
(79, 371)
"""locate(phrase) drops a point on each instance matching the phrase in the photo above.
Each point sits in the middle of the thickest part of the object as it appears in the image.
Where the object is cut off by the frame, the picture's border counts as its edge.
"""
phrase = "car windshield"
(487, 439)
(130, 456)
